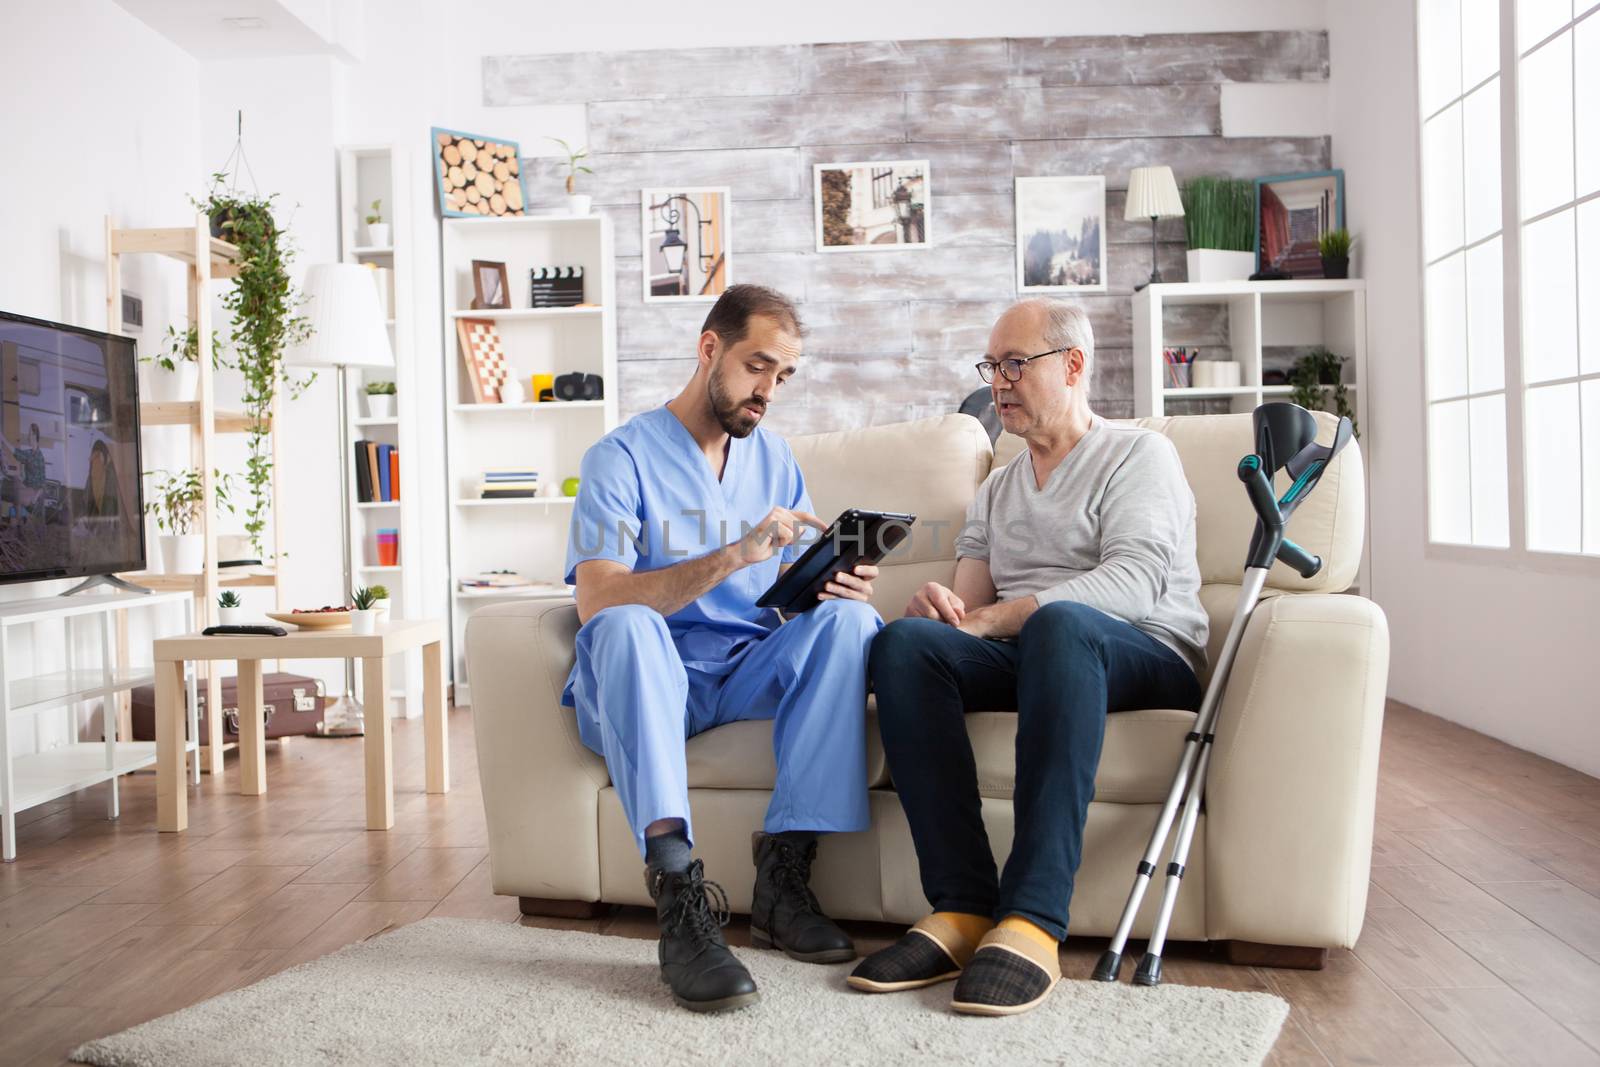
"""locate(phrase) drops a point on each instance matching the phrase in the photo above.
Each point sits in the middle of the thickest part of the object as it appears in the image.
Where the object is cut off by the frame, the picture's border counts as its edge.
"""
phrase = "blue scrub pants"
(638, 704)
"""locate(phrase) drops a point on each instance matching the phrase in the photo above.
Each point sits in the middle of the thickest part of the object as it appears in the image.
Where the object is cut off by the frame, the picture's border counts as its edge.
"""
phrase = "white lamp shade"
(347, 327)
(1153, 194)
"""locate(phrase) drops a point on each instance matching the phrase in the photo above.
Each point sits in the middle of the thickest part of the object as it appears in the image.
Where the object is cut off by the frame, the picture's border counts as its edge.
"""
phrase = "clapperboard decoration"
(555, 287)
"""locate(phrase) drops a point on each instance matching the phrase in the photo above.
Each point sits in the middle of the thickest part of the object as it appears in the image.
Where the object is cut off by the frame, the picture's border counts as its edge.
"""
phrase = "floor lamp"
(347, 330)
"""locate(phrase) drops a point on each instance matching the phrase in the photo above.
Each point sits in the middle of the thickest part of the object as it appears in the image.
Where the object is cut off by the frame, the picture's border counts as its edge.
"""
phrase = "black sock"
(668, 851)
(797, 837)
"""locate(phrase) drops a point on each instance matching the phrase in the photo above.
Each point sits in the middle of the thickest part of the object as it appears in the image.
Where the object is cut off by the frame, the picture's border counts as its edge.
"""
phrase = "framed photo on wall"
(872, 207)
(1292, 212)
(686, 243)
(476, 175)
(1061, 226)
(490, 288)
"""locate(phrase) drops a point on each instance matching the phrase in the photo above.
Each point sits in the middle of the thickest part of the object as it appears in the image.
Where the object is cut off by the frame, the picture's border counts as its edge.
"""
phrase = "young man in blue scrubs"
(683, 516)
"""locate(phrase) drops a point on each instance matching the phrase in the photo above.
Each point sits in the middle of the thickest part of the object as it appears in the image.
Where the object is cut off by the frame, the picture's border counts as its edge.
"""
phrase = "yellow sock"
(1022, 926)
(972, 927)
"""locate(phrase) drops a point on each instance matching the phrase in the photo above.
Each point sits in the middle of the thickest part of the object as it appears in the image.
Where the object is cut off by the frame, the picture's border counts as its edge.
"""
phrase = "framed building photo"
(1061, 225)
(686, 241)
(490, 288)
(1292, 212)
(872, 207)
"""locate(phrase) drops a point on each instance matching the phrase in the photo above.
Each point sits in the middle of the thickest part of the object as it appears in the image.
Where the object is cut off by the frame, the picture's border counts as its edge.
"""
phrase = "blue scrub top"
(648, 498)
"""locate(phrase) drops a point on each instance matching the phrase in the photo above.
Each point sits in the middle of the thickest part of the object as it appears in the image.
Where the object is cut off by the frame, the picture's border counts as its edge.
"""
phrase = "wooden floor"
(1482, 941)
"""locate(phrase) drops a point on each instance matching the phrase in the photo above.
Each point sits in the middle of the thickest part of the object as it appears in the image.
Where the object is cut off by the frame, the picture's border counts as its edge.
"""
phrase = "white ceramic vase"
(378, 234)
(183, 553)
(380, 405)
(231, 616)
(178, 384)
(363, 622)
(578, 203)
(1215, 265)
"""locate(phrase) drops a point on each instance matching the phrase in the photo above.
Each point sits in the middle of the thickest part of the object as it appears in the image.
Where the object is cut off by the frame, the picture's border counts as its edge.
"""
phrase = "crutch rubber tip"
(1149, 972)
(1109, 968)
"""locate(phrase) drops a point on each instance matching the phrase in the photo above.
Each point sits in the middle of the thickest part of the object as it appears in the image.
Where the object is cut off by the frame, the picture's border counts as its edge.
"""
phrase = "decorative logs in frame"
(476, 175)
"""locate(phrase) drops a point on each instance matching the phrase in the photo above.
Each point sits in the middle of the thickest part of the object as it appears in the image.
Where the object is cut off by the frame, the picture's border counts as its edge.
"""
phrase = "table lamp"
(1153, 195)
(347, 330)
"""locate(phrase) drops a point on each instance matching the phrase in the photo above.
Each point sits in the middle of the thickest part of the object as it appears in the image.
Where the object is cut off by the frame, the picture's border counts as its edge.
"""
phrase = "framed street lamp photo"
(686, 243)
(872, 207)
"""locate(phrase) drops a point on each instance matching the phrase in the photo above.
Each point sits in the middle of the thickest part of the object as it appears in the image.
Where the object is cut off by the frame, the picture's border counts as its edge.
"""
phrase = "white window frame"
(1517, 554)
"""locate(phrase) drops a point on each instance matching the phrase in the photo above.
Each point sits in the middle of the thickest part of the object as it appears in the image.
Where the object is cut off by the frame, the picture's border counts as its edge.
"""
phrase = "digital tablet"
(856, 536)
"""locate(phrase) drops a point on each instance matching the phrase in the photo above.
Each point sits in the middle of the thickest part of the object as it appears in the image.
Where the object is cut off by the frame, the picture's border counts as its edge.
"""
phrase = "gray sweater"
(1112, 528)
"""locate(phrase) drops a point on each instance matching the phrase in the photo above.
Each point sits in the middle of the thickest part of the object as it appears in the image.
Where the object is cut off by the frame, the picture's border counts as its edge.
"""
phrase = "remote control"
(263, 631)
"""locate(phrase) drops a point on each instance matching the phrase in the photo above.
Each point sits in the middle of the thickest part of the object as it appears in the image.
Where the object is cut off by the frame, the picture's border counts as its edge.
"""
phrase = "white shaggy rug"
(454, 991)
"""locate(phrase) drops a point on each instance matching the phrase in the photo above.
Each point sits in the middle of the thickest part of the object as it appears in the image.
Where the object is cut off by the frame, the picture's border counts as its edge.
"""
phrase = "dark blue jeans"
(1070, 666)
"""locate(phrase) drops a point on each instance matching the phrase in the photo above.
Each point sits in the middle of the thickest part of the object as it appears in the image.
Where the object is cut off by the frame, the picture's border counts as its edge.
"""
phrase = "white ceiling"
(281, 27)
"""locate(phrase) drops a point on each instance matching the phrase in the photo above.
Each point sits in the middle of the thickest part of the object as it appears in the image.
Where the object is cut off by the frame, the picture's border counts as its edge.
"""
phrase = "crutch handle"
(1298, 558)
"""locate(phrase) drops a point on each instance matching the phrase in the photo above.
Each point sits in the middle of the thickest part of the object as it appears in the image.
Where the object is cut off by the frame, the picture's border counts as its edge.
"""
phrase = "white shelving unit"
(368, 173)
(525, 535)
(30, 780)
(1267, 323)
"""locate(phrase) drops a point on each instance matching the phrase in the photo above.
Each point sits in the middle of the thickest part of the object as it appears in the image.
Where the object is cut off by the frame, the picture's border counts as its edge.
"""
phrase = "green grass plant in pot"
(1218, 214)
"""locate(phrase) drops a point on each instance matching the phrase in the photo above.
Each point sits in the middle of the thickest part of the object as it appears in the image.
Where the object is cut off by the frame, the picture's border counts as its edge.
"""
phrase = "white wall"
(1507, 651)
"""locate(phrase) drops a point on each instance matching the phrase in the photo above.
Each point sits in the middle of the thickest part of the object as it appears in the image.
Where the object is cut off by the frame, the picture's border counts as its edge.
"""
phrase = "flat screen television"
(70, 493)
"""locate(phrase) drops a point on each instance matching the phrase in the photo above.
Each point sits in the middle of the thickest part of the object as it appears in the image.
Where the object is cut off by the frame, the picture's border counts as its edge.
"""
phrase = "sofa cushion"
(1136, 763)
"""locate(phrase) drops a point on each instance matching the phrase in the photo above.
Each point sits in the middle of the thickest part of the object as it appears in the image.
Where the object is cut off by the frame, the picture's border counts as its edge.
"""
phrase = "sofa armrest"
(1293, 781)
(540, 784)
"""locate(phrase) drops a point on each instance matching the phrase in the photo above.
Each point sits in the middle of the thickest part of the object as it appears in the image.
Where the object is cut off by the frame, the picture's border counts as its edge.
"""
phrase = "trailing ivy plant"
(1310, 373)
(265, 306)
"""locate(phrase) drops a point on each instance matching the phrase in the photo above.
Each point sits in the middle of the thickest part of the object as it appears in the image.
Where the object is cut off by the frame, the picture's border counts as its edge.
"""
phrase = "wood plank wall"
(893, 335)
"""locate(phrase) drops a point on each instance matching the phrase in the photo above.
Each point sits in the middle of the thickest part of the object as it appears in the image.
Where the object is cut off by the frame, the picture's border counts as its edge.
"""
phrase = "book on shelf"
(490, 492)
(377, 470)
(494, 580)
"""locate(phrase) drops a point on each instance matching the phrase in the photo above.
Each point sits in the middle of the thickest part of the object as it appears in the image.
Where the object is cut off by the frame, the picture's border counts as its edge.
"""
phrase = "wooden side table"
(373, 650)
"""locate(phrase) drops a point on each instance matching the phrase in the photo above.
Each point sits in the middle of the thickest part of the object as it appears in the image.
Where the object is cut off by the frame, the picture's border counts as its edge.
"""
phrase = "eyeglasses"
(1010, 369)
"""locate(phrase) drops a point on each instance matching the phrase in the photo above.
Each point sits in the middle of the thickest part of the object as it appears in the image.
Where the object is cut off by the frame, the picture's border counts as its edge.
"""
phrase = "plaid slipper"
(1008, 975)
(931, 952)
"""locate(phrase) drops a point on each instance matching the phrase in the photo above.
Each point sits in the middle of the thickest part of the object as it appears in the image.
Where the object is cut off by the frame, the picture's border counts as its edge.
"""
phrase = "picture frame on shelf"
(1292, 212)
(686, 235)
(491, 288)
(467, 189)
(1061, 228)
(872, 206)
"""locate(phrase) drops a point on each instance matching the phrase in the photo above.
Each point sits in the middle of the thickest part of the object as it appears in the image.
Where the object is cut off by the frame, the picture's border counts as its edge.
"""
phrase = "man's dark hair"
(730, 315)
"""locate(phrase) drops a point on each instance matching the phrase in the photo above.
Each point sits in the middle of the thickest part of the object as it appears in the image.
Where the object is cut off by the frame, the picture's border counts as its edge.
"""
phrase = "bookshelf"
(529, 535)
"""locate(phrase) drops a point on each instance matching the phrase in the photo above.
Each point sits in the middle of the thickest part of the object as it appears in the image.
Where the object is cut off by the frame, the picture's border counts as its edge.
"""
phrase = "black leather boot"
(695, 961)
(785, 914)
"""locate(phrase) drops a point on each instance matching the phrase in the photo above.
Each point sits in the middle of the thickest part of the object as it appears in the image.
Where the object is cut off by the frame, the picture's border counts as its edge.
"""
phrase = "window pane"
(1480, 40)
(1554, 488)
(1491, 522)
(1586, 57)
(1589, 286)
(1441, 190)
(1481, 152)
(1447, 328)
(1591, 466)
(1538, 19)
(1438, 53)
(1486, 335)
(1544, 118)
(1449, 490)
(1549, 309)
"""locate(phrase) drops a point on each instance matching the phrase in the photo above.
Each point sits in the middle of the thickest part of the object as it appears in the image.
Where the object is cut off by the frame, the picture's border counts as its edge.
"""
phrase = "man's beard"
(731, 413)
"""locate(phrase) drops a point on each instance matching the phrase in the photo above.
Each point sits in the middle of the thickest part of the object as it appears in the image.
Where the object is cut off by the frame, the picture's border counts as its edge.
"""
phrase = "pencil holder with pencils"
(1179, 363)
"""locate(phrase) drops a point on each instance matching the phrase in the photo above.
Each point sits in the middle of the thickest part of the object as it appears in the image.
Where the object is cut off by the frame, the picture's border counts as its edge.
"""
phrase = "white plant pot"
(363, 622)
(178, 384)
(231, 616)
(380, 405)
(380, 608)
(1215, 265)
(183, 553)
(378, 234)
(578, 203)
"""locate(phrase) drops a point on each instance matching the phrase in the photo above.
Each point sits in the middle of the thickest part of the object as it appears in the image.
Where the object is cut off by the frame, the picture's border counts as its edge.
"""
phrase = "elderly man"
(683, 516)
(1076, 594)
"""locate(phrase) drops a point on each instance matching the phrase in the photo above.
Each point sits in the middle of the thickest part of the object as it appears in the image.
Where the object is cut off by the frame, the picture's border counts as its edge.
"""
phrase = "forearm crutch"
(1280, 429)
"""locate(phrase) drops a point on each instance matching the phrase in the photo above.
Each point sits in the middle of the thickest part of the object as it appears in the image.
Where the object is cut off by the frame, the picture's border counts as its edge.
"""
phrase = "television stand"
(120, 585)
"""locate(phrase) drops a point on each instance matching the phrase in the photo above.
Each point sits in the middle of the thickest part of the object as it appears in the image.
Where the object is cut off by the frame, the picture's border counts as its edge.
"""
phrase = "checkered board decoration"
(486, 358)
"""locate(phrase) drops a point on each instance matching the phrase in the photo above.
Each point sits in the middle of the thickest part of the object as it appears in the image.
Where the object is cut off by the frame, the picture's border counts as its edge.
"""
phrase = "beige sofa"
(1281, 854)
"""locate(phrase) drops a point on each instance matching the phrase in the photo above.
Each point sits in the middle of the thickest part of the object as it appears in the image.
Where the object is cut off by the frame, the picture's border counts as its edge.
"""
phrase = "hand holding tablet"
(856, 536)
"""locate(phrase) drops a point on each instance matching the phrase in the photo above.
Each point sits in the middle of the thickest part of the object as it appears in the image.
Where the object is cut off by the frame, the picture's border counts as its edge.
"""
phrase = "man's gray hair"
(1066, 326)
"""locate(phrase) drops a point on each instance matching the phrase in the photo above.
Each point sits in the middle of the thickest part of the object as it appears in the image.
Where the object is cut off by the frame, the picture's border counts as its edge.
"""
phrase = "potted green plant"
(377, 229)
(178, 504)
(1218, 214)
(1335, 249)
(380, 601)
(264, 307)
(230, 609)
(1314, 376)
(363, 619)
(380, 400)
(577, 203)
(180, 359)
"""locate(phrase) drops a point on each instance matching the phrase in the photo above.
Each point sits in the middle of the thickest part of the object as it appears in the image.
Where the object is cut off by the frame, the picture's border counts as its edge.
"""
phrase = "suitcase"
(293, 706)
